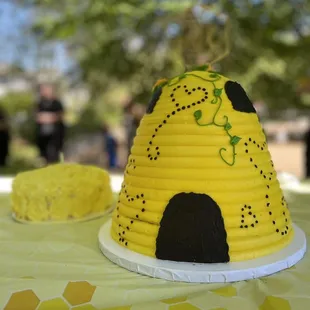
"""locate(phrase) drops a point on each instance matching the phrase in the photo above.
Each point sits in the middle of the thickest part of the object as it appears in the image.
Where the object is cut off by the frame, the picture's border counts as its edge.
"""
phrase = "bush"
(19, 107)
(88, 122)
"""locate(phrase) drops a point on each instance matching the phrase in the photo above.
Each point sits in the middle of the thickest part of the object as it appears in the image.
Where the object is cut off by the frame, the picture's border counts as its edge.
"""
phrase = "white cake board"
(202, 273)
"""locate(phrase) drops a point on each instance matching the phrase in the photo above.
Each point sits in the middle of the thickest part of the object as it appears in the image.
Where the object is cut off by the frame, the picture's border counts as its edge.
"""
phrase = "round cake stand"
(202, 273)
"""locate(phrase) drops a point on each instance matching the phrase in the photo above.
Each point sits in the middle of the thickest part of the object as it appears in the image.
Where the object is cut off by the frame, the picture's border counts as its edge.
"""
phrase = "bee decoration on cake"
(200, 185)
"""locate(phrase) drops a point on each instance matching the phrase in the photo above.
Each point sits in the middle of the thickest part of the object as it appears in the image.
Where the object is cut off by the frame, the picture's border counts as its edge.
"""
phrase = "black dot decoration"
(173, 97)
(131, 198)
(262, 147)
(131, 164)
(247, 217)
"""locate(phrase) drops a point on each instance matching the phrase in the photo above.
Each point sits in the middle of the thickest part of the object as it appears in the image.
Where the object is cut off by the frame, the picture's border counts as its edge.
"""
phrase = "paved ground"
(286, 157)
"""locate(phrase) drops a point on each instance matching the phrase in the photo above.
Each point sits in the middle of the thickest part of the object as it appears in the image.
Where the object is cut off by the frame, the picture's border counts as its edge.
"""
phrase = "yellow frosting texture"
(61, 193)
(194, 140)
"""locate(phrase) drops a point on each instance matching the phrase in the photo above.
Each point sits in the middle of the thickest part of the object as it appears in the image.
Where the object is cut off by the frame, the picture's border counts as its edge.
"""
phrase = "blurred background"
(76, 75)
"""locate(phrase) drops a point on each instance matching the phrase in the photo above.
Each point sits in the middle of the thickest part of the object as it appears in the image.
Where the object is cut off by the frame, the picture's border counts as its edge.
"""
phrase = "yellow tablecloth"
(59, 267)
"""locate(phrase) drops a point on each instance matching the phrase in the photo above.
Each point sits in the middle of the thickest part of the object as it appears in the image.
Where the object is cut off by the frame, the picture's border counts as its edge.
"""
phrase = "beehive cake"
(61, 193)
(200, 185)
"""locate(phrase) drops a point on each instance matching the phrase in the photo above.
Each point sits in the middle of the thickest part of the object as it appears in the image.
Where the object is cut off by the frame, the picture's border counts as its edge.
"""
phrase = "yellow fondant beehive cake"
(63, 192)
(200, 185)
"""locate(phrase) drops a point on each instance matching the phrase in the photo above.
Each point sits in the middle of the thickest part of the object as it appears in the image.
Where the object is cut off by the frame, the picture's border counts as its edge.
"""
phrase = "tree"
(136, 42)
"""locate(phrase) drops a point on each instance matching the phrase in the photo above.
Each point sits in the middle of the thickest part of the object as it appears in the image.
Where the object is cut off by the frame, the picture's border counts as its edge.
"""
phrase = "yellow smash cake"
(63, 192)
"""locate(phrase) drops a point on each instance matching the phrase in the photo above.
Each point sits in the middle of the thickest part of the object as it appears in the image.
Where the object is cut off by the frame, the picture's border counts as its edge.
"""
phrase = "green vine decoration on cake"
(217, 99)
(217, 92)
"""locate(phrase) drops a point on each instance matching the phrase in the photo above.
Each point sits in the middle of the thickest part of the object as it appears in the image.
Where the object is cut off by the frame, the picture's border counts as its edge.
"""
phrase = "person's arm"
(59, 110)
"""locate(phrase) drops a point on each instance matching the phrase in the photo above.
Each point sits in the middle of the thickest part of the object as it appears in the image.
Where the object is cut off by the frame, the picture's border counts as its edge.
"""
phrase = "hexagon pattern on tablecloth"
(175, 300)
(272, 302)
(78, 295)
(56, 303)
(26, 300)
(85, 307)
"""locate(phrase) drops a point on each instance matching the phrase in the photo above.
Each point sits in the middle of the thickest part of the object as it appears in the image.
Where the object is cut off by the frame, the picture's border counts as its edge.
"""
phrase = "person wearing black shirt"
(50, 125)
(4, 138)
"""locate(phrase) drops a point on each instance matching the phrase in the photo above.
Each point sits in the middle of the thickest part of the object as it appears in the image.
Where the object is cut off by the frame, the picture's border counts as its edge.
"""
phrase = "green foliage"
(127, 42)
(19, 107)
(16, 102)
(88, 122)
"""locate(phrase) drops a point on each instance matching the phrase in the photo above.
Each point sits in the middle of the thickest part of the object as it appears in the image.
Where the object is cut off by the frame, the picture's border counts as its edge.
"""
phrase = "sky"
(18, 47)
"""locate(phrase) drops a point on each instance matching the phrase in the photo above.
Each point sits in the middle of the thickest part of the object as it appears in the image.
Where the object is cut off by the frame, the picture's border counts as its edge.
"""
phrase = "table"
(55, 267)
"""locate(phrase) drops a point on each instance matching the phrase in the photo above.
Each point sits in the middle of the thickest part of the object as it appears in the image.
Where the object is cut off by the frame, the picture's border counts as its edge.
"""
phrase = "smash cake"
(200, 186)
(64, 192)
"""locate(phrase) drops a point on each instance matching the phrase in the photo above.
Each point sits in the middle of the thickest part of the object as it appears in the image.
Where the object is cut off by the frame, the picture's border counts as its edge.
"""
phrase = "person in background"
(4, 138)
(132, 117)
(128, 123)
(50, 128)
(110, 147)
(307, 142)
